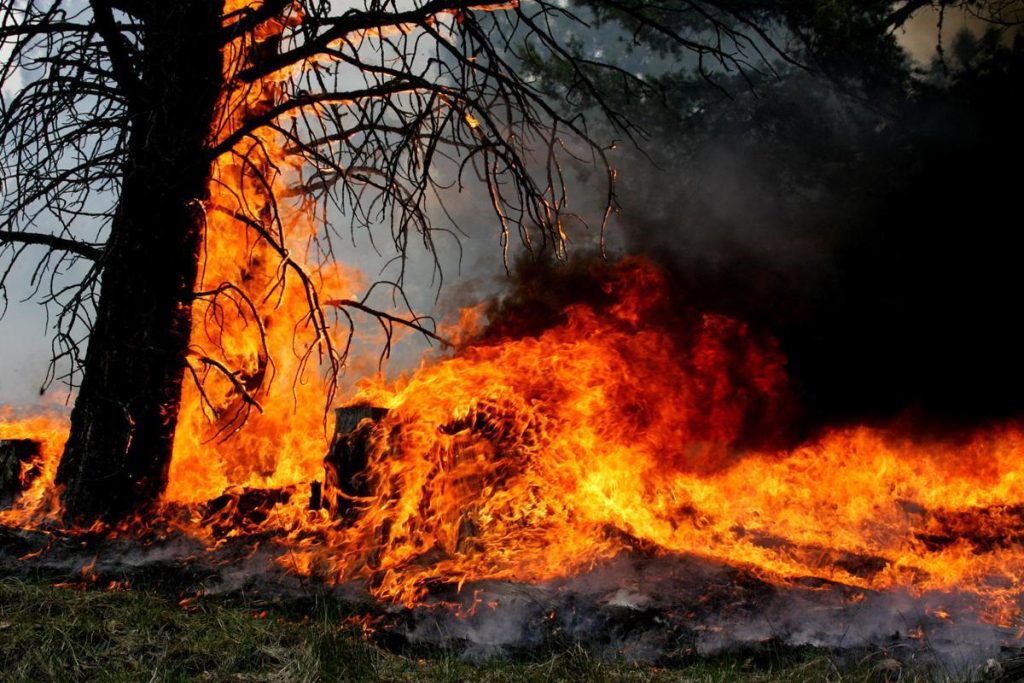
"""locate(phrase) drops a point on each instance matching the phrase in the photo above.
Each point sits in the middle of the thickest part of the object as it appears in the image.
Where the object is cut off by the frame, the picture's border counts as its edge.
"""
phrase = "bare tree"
(119, 118)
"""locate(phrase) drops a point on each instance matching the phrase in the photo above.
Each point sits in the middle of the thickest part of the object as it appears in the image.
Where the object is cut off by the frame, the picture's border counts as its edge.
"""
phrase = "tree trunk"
(122, 425)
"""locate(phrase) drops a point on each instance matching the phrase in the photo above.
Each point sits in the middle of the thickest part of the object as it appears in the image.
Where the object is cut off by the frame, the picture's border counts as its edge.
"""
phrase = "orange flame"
(256, 325)
(38, 501)
(528, 458)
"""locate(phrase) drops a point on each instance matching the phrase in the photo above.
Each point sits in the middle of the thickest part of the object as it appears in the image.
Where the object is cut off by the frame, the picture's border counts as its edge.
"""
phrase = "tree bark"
(122, 425)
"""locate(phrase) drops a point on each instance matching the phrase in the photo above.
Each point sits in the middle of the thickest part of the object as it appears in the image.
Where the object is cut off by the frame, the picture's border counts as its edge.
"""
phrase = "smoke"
(867, 227)
(664, 610)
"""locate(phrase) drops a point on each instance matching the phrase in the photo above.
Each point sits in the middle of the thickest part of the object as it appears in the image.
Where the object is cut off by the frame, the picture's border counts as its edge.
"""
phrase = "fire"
(533, 456)
(256, 323)
(38, 502)
(487, 459)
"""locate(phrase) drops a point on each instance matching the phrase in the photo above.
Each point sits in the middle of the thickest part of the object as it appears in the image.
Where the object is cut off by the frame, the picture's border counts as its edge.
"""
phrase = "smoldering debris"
(661, 610)
(636, 607)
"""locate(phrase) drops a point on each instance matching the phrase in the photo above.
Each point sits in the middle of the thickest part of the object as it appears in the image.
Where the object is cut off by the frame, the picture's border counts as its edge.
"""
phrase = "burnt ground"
(666, 613)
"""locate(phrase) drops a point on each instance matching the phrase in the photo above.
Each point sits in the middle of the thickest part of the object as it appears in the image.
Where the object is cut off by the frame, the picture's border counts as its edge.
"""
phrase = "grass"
(52, 633)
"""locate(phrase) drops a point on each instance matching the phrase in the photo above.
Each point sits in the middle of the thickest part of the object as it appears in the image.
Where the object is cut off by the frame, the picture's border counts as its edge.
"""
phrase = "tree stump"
(345, 464)
(14, 454)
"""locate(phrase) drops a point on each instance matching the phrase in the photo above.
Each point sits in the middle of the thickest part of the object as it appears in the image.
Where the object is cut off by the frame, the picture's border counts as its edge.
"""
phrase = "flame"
(257, 326)
(533, 458)
(38, 502)
(487, 459)
(252, 420)
(530, 457)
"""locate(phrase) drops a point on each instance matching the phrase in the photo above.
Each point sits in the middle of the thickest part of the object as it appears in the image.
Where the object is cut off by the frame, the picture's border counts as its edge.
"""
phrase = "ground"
(79, 631)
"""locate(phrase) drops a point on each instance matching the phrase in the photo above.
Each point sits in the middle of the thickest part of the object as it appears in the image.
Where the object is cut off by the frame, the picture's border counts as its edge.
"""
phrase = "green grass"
(67, 634)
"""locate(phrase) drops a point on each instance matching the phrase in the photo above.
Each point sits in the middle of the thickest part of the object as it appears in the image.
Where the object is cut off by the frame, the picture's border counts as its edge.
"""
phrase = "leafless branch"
(88, 251)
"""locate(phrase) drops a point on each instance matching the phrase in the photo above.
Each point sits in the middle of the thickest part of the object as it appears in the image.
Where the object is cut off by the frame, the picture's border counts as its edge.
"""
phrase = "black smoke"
(874, 229)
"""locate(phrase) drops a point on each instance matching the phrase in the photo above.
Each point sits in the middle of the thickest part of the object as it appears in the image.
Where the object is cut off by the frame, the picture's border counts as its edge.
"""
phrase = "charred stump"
(346, 463)
(118, 452)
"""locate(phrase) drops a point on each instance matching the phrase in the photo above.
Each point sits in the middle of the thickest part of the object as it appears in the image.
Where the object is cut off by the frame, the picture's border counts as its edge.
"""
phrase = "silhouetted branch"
(383, 315)
(88, 251)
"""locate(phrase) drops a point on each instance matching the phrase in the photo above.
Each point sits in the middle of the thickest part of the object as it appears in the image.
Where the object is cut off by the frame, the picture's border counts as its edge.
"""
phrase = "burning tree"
(175, 162)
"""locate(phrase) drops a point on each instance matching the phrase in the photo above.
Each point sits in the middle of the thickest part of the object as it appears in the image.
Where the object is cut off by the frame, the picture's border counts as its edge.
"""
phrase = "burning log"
(346, 462)
(984, 529)
(18, 458)
(242, 509)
